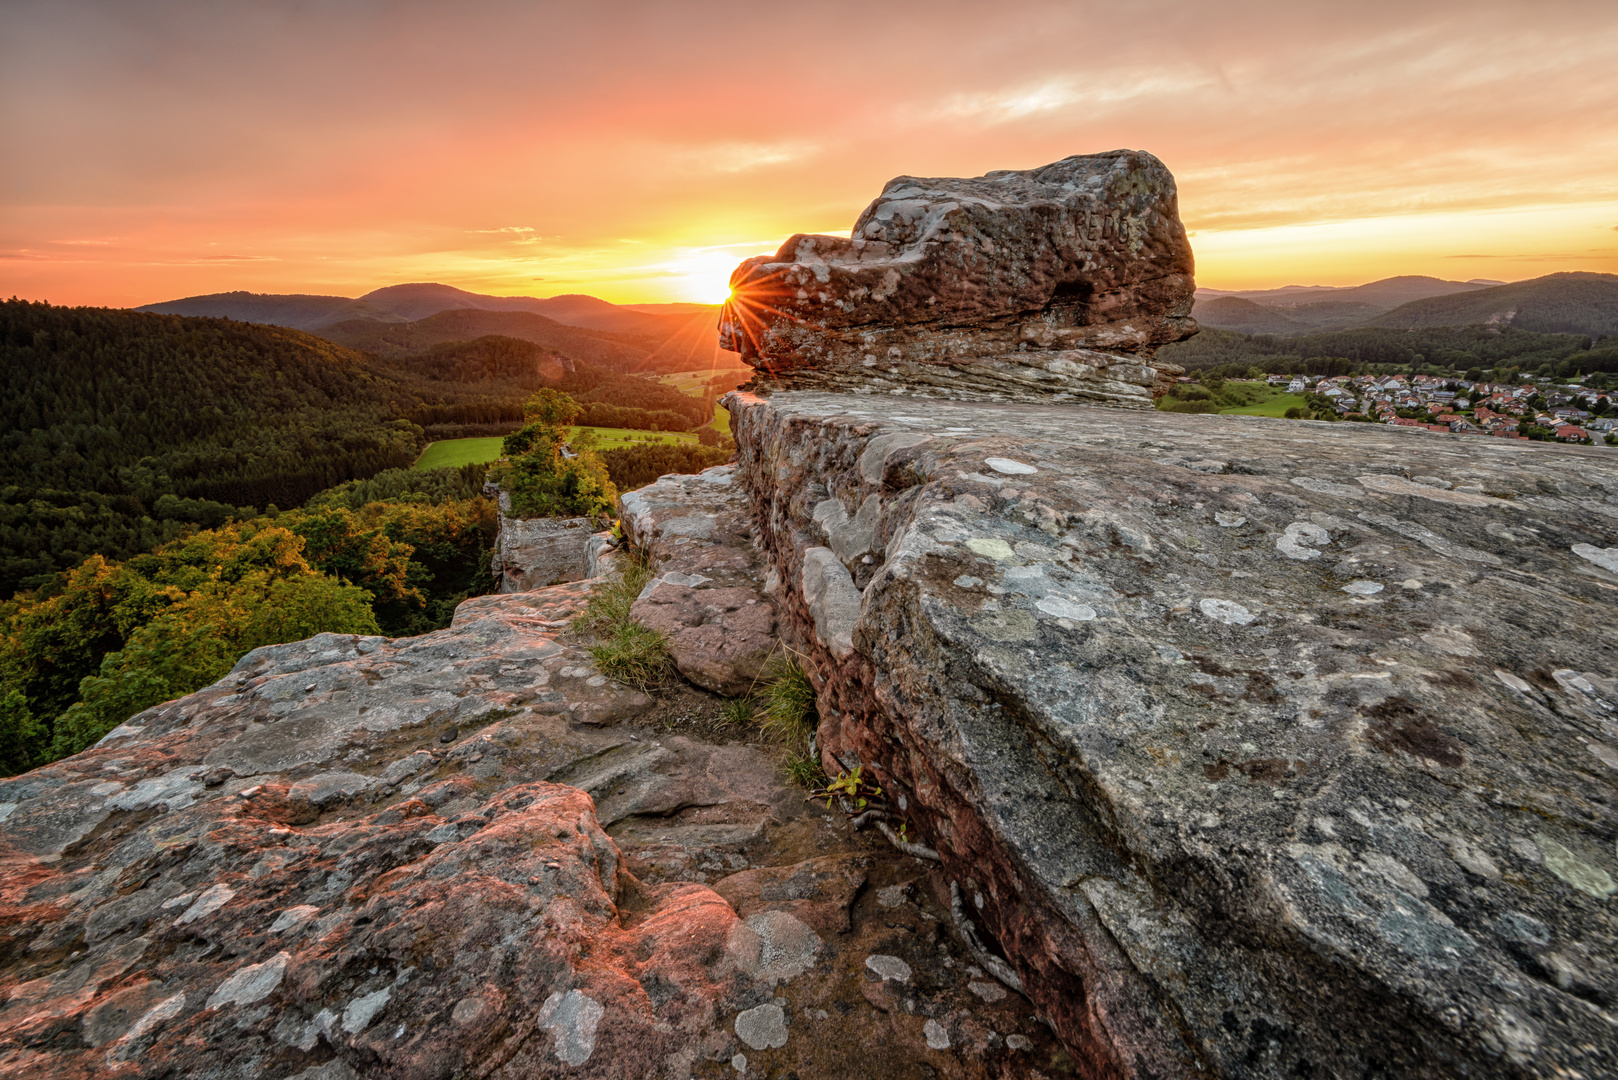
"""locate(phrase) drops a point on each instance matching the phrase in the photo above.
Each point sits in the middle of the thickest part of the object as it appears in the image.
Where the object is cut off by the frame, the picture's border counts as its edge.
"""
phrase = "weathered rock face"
(1260, 748)
(708, 594)
(465, 854)
(531, 553)
(1055, 283)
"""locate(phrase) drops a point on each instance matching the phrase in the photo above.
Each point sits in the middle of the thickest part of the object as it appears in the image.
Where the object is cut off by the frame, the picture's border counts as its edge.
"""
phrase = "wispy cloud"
(739, 157)
(1064, 94)
(515, 234)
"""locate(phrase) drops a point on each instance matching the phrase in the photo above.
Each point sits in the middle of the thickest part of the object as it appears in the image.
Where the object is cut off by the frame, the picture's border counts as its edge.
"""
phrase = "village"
(1566, 413)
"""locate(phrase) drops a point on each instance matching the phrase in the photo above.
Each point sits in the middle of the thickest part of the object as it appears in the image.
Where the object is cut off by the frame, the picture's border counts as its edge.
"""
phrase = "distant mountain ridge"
(1574, 303)
(296, 311)
(407, 303)
(673, 337)
(1386, 292)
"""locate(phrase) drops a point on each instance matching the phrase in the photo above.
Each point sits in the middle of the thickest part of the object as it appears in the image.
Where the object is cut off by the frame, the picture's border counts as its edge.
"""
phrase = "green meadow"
(453, 453)
(614, 437)
(1276, 405)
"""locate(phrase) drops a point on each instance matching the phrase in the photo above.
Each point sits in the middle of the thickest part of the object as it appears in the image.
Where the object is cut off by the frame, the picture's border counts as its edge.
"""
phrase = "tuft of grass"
(804, 770)
(737, 711)
(610, 601)
(625, 650)
(788, 718)
(633, 655)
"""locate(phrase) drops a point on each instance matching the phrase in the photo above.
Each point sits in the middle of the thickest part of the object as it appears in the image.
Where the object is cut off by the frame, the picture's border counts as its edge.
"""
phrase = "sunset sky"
(637, 151)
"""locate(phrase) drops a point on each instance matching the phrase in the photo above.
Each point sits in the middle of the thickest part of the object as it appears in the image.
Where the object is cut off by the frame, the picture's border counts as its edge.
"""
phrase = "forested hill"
(1431, 350)
(1567, 303)
(109, 420)
(614, 352)
(119, 429)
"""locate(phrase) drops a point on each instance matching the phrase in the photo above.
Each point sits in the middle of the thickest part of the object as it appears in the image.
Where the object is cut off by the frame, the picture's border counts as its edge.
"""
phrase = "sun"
(703, 277)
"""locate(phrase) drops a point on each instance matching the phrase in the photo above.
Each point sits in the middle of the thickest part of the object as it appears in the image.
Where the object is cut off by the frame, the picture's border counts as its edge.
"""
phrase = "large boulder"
(1258, 749)
(1050, 283)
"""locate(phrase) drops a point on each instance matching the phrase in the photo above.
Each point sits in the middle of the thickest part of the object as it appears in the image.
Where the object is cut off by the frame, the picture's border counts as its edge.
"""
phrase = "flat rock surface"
(707, 596)
(1261, 748)
(464, 854)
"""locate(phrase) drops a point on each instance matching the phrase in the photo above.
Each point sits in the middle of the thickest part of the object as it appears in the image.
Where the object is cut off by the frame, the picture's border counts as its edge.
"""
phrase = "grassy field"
(614, 437)
(692, 382)
(695, 383)
(453, 453)
(1274, 406)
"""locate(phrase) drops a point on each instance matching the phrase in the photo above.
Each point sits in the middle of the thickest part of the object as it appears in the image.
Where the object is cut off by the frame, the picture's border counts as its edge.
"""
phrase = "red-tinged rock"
(345, 860)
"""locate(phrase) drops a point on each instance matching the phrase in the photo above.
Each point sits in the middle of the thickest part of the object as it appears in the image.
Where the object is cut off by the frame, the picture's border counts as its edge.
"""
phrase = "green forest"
(108, 638)
(120, 431)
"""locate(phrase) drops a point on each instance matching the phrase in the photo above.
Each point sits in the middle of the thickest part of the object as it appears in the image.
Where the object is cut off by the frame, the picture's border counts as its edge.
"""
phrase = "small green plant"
(852, 786)
(625, 650)
(788, 718)
(737, 711)
(634, 655)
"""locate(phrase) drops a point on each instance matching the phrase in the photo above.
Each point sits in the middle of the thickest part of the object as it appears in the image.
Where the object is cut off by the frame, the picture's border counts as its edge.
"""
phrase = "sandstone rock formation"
(467, 854)
(531, 553)
(1054, 284)
(1259, 749)
(708, 596)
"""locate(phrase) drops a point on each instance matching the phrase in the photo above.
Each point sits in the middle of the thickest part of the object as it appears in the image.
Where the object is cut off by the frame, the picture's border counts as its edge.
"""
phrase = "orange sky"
(636, 151)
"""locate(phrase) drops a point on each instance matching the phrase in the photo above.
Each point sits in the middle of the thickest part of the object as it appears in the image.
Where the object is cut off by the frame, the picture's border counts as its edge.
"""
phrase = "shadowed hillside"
(614, 352)
(1569, 303)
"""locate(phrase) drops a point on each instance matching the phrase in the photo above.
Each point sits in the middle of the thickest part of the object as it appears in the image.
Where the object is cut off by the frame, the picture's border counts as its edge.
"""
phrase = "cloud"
(1062, 95)
(382, 134)
(516, 234)
(739, 157)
